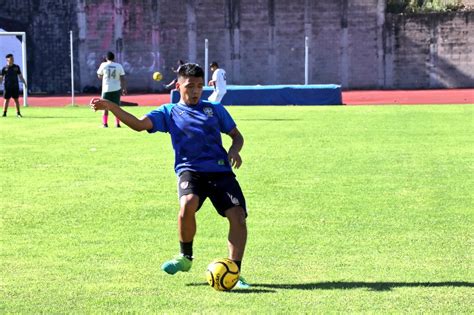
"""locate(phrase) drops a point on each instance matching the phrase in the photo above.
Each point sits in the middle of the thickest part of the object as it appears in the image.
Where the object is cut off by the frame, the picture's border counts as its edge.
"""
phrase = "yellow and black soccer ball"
(222, 274)
(157, 76)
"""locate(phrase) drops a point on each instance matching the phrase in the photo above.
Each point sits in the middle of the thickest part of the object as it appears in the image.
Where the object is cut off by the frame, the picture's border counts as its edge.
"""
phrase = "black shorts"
(11, 93)
(113, 96)
(222, 188)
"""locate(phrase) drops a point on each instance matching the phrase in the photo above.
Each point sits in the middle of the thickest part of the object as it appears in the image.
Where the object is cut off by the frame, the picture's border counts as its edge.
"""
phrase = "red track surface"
(407, 97)
(59, 101)
(399, 97)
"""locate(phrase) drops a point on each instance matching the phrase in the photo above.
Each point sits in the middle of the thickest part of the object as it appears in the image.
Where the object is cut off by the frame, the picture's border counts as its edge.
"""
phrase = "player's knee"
(188, 205)
(236, 216)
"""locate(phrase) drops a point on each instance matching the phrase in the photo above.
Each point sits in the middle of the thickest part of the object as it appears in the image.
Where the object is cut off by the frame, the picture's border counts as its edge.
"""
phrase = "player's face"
(10, 61)
(190, 89)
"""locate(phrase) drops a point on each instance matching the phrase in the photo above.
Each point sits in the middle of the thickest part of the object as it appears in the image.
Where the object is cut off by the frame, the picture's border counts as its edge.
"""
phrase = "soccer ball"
(157, 76)
(222, 274)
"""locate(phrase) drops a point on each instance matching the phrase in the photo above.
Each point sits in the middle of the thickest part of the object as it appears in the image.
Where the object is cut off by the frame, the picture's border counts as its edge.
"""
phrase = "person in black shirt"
(10, 73)
(172, 84)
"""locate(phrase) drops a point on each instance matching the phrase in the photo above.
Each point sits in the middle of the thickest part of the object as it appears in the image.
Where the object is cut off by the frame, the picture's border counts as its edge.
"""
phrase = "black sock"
(187, 249)
(238, 263)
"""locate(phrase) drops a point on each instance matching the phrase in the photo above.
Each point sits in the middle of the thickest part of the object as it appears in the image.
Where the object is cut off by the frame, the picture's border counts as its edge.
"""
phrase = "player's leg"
(212, 97)
(116, 100)
(237, 237)
(220, 96)
(105, 119)
(105, 114)
(5, 107)
(190, 201)
(187, 218)
(17, 104)
(229, 201)
(114, 97)
(186, 230)
(7, 96)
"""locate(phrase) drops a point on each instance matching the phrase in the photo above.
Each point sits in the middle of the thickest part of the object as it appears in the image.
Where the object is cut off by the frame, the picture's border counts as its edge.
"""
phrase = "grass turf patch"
(351, 209)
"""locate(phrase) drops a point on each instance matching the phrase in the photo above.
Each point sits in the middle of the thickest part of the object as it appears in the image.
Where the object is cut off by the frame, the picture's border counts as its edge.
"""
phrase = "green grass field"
(351, 209)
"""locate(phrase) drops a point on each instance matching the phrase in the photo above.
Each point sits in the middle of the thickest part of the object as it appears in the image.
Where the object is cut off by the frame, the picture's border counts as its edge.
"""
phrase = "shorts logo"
(234, 200)
(208, 111)
(184, 184)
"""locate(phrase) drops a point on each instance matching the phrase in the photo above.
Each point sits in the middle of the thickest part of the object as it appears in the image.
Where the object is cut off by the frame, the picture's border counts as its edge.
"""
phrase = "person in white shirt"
(113, 84)
(219, 83)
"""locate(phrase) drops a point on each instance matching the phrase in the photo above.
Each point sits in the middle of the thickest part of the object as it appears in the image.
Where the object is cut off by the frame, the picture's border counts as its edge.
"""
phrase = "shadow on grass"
(373, 286)
(341, 285)
(236, 291)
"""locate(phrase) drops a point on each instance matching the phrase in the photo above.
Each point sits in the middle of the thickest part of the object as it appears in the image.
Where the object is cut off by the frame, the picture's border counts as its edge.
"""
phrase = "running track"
(351, 98)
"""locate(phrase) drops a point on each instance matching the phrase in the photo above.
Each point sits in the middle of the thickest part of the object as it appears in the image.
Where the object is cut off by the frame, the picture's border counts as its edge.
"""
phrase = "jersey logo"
(208, 111)
(234, 200)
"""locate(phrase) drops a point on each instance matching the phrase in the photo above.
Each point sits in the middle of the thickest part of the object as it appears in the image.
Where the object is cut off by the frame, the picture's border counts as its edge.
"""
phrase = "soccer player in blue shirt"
(203, 166)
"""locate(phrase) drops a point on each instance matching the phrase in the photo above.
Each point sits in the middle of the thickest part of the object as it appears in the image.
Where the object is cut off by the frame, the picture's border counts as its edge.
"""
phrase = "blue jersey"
(196, 134)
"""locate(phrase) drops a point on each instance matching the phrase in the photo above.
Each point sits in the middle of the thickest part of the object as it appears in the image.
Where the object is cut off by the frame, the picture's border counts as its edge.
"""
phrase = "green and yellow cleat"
(179, 263)
(242, 283)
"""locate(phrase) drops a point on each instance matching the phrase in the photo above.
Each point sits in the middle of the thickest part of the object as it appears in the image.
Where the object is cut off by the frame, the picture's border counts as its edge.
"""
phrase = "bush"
(423, 6)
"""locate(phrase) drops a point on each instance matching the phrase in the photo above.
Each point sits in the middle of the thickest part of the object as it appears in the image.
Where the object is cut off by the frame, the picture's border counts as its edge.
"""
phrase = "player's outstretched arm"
(125, 117)
(237, 144)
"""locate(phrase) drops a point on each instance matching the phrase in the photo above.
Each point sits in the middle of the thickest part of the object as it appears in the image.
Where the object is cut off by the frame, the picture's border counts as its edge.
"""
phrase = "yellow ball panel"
(157, 76)
(222, 274)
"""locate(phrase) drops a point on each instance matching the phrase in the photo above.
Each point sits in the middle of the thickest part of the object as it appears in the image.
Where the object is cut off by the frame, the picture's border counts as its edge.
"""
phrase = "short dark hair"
(190, 70)
(214, 64)
(9, 56)
(110, 56)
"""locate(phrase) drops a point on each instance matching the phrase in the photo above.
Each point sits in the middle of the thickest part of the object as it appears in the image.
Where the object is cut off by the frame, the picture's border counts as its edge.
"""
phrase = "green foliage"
(351, 210)
(423, 6)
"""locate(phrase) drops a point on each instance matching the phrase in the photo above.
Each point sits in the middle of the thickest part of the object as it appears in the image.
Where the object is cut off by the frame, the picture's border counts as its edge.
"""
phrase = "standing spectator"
(113, 84)
(172, 84)
(11, 72)
(218, 82)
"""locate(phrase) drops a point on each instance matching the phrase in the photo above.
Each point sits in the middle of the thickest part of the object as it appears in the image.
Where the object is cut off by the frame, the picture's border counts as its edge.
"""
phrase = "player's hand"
(211, 83)
(124, 91)
(98, 104)
(234, 158)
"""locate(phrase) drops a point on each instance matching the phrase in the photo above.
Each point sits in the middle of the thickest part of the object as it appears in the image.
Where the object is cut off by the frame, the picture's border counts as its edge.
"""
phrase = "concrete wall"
(429, 51)
(353, 43)
(47, 25)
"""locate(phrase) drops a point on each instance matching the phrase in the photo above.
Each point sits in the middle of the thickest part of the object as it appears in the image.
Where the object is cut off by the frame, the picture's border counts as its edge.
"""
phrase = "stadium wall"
(47, 25)
(429, 50)
(352, 43)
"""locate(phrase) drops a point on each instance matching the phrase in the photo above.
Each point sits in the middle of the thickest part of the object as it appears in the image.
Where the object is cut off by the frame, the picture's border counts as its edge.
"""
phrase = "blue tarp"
(316, 94)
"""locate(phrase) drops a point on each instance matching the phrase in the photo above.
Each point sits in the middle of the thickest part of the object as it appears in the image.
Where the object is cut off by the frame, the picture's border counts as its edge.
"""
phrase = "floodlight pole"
(306, 60)
(72, 68)
(206, 61)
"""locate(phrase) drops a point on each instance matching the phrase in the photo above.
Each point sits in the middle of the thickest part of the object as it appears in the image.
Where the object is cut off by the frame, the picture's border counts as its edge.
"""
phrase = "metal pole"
(206, 61)
(306, 60)
(72, 68)
(25, 70)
